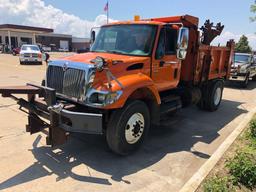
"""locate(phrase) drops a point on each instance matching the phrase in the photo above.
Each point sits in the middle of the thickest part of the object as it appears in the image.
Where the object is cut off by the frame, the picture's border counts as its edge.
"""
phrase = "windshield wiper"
(98, 51)
(116, 52)
(240, 61)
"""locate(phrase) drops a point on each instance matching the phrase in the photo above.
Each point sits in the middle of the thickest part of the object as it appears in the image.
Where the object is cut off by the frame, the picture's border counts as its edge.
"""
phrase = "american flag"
(106, 7)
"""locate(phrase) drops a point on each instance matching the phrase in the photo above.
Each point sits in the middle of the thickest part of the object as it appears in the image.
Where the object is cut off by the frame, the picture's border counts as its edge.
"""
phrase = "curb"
(195, 181)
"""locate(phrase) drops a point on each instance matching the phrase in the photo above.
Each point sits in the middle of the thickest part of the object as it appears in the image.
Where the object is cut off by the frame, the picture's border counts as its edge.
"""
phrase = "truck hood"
(88, 58)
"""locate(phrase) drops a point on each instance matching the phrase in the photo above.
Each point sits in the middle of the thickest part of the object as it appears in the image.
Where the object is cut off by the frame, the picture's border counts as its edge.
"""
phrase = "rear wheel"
(211, 96)
(128, 127)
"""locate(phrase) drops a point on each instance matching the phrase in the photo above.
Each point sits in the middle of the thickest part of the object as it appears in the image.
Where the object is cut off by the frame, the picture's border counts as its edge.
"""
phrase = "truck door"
(165, 65)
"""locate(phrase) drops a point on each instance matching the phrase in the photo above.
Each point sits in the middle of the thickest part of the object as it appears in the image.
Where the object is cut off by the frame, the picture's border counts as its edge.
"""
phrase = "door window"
(167, 42)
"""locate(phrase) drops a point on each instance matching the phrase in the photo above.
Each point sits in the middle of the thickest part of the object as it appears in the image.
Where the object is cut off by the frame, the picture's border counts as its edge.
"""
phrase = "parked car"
(243, 68)
(16, 51)
(83, 50)
(46, 48)
(63, 49)
(30, 54)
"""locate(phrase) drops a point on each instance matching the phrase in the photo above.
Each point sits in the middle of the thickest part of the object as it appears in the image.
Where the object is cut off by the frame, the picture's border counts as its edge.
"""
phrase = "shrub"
(218, 184)
(253, 128)
(243, 168)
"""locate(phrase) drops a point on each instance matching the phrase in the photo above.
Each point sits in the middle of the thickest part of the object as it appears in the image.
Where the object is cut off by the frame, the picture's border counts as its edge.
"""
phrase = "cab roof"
(186, 20)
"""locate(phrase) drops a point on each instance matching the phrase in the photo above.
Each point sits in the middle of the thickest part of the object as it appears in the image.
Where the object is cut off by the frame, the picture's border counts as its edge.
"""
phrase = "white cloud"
(227, 35)
(36, 13)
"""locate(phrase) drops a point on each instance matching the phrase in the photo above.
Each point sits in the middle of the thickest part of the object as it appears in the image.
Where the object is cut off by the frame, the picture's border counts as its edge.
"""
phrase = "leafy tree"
(253, 10)
(243, 45)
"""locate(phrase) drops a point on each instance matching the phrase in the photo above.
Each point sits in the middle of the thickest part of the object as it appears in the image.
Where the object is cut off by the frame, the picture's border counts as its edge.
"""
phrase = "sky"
(76, 17)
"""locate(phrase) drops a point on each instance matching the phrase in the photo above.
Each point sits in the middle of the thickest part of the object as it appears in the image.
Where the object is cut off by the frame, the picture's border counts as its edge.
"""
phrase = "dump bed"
(213, 62)
(209, 62)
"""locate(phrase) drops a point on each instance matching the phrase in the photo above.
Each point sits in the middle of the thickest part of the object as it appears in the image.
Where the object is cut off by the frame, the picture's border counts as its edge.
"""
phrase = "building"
(17, 35)
(55, 41)
(80, 43)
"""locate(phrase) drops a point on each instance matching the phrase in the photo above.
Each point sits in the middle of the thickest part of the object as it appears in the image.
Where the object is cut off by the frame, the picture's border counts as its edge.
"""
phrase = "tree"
(243, 45)
(253, 10)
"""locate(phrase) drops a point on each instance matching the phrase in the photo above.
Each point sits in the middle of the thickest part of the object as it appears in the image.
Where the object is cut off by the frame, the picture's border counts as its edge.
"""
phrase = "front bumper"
(80, 122)
(30, 59)
(237, 77)
(45, 110)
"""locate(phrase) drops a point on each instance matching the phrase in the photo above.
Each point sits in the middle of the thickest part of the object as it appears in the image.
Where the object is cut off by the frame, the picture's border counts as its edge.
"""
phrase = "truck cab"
(136, 72)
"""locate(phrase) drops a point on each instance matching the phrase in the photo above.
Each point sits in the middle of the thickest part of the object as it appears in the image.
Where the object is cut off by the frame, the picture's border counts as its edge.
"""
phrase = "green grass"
(241, 166)
(253, 129)
(218, 184)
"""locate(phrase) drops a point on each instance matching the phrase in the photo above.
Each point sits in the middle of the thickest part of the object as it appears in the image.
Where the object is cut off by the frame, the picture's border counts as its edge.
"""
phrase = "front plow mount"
(40, 116)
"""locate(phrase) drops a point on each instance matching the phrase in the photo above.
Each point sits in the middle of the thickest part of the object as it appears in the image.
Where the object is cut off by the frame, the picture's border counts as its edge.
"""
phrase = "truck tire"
(128, 127)
(212, 96)
(246, 81)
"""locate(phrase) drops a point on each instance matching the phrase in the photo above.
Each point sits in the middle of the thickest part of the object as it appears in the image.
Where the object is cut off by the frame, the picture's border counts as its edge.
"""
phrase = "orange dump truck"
(136, 71)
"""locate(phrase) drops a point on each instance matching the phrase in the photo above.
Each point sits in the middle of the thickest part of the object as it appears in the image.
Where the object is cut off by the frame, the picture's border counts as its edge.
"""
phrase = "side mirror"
(182, 44)
(93, 36)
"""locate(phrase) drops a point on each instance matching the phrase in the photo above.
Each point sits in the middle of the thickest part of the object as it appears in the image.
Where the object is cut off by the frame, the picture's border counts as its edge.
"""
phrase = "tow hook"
(56, 108)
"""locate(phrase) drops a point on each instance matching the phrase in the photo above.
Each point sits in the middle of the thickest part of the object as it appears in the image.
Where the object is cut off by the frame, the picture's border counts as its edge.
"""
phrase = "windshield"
(242, 58)
(29, 48)
(125, 39)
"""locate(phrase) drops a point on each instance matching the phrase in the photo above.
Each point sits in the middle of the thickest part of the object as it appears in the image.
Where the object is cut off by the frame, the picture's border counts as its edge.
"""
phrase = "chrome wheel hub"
(134, 128)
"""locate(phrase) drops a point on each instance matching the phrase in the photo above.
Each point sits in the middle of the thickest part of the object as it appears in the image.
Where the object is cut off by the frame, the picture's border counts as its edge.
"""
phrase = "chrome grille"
(74, 83)
(69, 82)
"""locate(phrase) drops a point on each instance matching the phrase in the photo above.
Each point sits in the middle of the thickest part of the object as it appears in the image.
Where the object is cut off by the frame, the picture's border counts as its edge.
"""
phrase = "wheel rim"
(217, 96)
(134, 128)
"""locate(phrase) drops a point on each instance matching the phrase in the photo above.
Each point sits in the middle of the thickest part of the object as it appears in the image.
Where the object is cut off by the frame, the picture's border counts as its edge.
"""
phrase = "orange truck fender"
(137, 86)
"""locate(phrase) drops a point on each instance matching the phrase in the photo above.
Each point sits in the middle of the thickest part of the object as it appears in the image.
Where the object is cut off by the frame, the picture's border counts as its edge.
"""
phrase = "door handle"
(162, 63)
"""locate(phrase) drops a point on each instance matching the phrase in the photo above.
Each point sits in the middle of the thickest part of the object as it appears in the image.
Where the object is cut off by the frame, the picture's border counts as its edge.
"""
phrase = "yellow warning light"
(136, 17)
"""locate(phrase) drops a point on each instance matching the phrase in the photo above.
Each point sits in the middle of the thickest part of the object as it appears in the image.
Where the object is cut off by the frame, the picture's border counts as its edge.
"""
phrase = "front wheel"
(128, 127)
(246, 81)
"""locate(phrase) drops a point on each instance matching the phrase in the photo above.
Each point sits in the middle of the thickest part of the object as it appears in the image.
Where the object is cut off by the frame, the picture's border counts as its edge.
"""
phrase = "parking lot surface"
(170, 156)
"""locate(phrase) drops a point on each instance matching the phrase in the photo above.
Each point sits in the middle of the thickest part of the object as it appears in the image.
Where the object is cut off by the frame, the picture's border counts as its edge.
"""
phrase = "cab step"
(170, 104)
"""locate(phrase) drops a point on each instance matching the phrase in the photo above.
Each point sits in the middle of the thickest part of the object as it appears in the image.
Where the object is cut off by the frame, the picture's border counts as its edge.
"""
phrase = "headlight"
(242, 69)
(100, 63)
(103, 98)
(91, 78)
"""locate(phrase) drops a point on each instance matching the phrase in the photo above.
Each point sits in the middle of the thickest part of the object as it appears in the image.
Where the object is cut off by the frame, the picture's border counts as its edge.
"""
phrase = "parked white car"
(30, 54)
(63, 49)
